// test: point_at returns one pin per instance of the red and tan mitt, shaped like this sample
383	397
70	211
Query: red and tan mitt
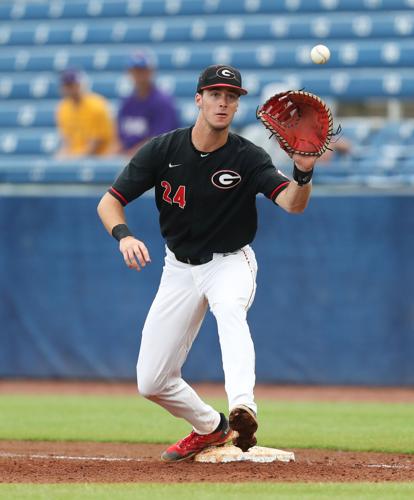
301	122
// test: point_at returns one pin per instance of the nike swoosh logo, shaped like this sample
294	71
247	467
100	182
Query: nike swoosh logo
176	165
203	156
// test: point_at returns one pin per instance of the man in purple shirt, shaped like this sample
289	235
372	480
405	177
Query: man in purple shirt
147	112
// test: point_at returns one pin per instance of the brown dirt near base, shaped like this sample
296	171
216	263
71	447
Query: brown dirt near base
53	462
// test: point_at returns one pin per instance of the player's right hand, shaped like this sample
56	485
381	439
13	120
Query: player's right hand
135	252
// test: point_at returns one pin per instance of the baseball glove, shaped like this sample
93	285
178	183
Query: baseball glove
301	122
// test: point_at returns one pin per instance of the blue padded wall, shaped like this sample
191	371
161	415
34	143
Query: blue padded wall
335	301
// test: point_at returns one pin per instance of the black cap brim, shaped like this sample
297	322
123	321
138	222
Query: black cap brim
239	90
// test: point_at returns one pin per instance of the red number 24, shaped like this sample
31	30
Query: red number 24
179	196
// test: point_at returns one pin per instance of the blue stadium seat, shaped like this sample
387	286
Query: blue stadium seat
346	84
356	133
27	115
406	166
208	29
371	42
383	157
29	169
395	133
286	55
117	8
30	141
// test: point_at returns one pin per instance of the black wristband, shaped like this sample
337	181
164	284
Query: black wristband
121	231
300	176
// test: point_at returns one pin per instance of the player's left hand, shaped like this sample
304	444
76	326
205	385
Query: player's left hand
135	253
304	163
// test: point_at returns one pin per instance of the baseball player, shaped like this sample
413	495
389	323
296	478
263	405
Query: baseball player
206	179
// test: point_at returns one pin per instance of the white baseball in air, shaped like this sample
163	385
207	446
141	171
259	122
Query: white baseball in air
320	54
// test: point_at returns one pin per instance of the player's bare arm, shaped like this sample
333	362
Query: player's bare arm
112	214
294	199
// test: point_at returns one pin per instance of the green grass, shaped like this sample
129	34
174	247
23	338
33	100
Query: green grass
248	491
346	426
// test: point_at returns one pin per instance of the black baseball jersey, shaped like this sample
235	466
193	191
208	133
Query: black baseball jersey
207	201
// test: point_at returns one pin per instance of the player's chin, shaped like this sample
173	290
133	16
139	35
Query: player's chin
221	124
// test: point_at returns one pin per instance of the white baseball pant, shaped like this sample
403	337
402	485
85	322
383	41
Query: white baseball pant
226	284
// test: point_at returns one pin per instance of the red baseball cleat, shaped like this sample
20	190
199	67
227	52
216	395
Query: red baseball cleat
194	443
243	420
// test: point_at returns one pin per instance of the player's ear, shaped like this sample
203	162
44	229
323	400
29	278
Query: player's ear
198	98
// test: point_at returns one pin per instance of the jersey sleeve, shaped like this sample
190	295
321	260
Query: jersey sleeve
269	180
137	177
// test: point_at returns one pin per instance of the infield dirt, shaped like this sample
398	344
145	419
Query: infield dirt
53	462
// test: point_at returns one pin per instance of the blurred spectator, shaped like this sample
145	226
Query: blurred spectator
340	147
148	111
83	118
